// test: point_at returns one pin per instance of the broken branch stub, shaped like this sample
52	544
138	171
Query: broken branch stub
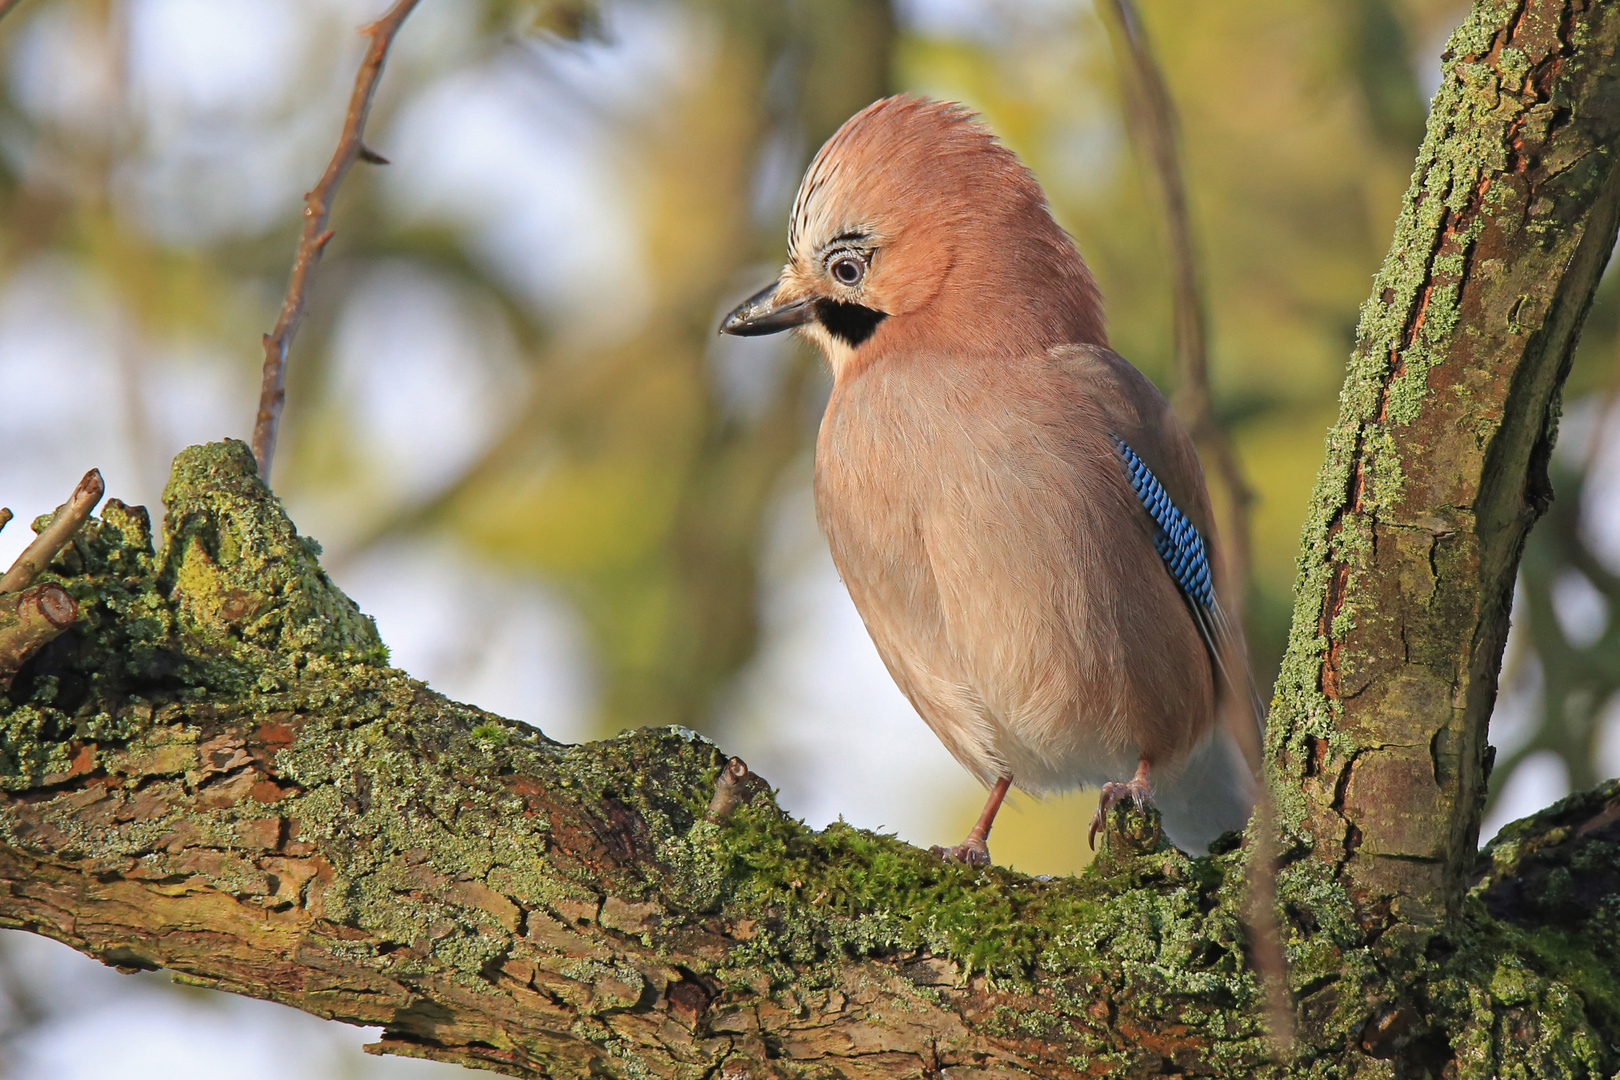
735	785
28	621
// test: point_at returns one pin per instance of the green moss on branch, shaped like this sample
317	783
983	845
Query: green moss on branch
214	772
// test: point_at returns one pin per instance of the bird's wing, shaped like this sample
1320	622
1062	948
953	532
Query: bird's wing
1158	462
1185	555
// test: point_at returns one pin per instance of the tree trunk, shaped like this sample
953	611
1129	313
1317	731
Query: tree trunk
216	772
1438	465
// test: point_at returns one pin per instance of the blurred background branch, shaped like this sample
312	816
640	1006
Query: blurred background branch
1154	128
1557	724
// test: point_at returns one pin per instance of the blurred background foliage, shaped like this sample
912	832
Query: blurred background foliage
513	428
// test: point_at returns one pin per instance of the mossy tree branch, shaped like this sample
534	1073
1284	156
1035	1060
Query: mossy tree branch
215	771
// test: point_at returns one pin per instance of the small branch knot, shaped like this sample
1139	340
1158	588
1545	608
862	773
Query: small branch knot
735	785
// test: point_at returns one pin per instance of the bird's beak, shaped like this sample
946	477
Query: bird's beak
761	314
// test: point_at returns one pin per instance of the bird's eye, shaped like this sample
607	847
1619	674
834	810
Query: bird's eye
848	269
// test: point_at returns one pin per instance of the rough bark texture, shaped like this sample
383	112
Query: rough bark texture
1437	466
215	771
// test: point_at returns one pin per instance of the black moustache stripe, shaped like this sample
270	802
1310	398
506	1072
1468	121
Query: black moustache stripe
849	323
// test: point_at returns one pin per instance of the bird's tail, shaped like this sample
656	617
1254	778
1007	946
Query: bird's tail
1214	794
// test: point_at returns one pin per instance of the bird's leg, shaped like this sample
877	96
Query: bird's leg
975	850
1137	789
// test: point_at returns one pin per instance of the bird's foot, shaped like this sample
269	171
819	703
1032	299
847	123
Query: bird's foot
1137	789
971	852
975	850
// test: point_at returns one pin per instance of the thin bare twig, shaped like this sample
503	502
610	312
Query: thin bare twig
1153	122
25	1010
5	516
69	516
313	240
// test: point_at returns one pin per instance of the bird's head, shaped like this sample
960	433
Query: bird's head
915	230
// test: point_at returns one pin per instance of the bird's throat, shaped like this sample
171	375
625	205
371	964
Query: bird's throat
848	323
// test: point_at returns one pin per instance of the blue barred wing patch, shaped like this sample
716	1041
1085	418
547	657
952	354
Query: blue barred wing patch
1175	538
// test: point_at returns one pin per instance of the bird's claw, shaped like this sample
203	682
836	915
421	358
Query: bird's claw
1137	790
970	852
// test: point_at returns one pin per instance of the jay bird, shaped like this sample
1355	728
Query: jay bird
1019	518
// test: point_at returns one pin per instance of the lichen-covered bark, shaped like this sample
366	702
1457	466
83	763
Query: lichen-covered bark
216	773
1436	468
